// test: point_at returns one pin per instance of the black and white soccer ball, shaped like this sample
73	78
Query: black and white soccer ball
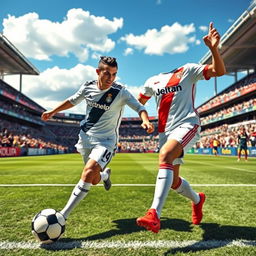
48	226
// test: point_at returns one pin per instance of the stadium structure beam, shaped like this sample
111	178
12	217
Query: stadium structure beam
238	44
20	82
215	85
13	62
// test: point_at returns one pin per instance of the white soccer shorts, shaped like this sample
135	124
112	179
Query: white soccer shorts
187	135
98	149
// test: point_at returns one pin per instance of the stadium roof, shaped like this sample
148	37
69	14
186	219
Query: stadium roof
238	44
12	61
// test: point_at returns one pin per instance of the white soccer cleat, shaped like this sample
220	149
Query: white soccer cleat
107	183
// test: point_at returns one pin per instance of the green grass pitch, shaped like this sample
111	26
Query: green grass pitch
104	222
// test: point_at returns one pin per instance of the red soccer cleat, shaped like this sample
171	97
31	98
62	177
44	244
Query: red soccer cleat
150	221
197	213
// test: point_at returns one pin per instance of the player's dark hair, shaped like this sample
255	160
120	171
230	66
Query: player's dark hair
107	60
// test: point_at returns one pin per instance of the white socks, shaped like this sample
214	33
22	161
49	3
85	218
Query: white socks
79	192
163	184
186	190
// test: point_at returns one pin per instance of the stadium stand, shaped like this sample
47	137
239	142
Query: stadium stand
224	115
23	133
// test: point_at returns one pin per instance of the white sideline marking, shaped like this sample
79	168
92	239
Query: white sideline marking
125	185
6	245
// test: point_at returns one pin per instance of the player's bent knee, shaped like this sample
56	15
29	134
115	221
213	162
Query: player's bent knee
89	174
166	157
175	183
163	156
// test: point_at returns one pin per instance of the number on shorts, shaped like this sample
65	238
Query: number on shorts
106	156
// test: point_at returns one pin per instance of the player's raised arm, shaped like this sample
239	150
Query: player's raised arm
217	67
50	113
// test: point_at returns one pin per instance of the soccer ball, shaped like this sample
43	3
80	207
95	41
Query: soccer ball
48	225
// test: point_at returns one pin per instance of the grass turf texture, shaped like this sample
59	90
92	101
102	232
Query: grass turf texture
229	212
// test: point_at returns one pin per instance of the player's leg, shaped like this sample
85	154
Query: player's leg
239	154
90	175
215	151
98	156
245	154
104	175
101	152
182	187
170	150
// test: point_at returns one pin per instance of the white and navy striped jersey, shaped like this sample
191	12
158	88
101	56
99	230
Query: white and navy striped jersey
104	108
175	94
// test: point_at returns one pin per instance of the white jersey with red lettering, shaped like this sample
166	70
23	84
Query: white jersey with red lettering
175	93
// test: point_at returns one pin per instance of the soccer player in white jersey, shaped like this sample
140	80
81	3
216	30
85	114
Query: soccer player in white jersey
179	127
105	100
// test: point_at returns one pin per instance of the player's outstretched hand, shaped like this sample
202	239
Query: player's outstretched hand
213	38
148	127
47	115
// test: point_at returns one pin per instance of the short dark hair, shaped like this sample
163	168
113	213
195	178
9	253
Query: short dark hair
107	60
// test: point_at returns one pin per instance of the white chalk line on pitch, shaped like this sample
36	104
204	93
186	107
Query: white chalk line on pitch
191	244
227	167
125	185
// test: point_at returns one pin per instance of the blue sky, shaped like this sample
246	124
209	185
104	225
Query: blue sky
63	40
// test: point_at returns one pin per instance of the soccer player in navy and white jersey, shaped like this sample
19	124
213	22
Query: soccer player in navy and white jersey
242	140
179	127
105	100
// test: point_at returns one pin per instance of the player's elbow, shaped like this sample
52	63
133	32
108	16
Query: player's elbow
221	73
218	73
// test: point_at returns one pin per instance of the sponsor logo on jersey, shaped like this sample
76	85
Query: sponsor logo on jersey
97	105
168	90
109	98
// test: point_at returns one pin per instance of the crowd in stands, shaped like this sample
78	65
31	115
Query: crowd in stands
15	135
235	109
134	131
227	135
63	135
242	87
139	143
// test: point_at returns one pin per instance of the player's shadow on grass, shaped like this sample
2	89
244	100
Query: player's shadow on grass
128	226
122	227
216	236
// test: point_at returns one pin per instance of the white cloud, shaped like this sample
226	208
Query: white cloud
231	20
78	33
128	51
170	39
55	85
203	28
